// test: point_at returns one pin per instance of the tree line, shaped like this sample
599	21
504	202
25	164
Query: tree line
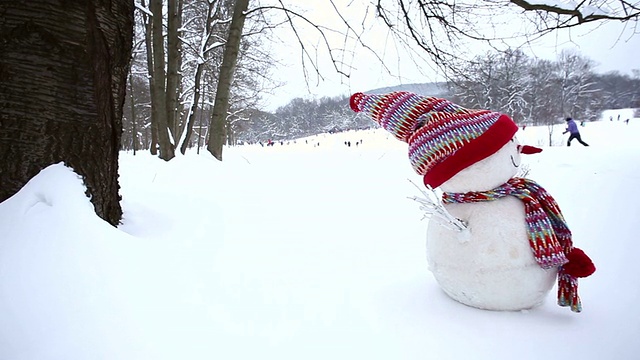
540	92
532	91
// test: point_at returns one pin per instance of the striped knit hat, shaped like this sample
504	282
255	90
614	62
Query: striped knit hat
444	138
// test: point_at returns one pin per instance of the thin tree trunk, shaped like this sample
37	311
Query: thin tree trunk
134	130
192	112
200	116
153	148
159	98
65	103
211	11
217	133
174	61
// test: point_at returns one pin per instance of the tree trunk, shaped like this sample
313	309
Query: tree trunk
134	130
174	60
217	134
200	116
63	72
159	98
153	148
194	107
196	82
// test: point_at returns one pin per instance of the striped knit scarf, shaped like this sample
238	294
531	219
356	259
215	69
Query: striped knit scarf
549	236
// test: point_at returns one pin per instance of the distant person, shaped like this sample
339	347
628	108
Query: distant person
572	129
626	121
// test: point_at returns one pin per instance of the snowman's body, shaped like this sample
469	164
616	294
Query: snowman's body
489	265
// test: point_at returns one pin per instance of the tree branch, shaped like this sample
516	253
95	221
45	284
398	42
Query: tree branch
582	14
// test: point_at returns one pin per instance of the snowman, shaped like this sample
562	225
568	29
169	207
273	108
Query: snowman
495	241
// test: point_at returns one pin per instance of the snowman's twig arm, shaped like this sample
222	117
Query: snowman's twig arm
433	208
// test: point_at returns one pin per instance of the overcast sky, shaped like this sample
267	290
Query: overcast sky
610	45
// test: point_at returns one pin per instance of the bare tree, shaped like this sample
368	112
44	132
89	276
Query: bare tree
134	128
174	62
574	74
136	120
63	71
529	90
496	81
217	136
618	90
146	19
158	80
208	42
541	105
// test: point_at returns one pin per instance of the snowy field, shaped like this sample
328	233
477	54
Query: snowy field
310	250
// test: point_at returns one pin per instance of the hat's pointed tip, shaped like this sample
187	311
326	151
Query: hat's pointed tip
354	101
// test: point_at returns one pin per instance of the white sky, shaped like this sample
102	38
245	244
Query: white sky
302	252
610	45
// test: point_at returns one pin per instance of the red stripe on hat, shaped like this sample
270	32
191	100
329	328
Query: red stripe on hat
477	149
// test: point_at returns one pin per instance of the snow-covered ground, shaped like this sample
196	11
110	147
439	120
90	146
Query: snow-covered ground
310	250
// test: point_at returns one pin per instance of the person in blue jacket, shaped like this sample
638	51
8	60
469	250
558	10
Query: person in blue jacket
572	129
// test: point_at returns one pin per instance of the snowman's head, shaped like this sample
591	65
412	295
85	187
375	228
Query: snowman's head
491	171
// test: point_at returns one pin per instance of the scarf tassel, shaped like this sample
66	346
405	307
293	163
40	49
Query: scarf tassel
579	266
568	291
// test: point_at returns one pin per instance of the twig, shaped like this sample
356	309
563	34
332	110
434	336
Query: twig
433	208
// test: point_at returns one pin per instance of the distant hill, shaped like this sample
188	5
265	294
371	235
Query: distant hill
437	89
